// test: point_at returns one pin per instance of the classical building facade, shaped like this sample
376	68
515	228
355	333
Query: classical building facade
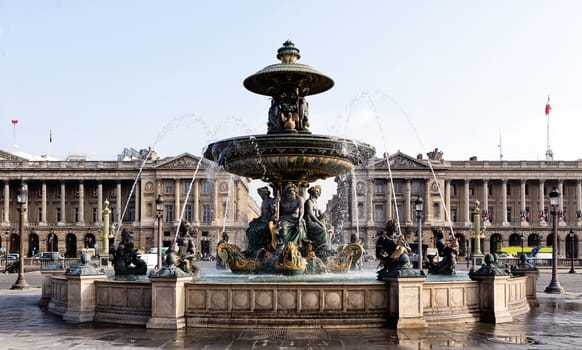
513	200
66	202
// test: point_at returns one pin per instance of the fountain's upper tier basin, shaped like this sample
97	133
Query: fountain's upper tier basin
288	157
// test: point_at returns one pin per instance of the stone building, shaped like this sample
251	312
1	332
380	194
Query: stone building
513	196
66	201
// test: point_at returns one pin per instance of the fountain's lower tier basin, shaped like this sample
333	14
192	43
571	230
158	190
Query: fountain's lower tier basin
174	303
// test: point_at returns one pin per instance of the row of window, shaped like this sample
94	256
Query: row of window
418	187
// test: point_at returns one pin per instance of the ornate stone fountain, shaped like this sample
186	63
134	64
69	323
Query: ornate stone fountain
288	157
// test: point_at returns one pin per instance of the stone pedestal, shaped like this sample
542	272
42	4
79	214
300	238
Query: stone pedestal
406	302
494	298
530	284
47	285
81	297
168	302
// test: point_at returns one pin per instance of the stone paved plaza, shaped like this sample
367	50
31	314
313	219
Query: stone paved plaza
555	324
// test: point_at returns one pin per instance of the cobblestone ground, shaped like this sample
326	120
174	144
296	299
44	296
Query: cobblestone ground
555	324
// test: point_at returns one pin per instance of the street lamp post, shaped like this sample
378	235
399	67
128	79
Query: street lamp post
418	206
22	200
554	287
159	216
572	237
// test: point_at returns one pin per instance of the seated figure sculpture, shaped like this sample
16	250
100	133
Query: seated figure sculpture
291	226
392	250
447	252
125	259
316	231
258	232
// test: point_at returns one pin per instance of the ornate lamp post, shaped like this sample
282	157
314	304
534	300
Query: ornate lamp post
159	216
418	207
572	237
554	287
22	200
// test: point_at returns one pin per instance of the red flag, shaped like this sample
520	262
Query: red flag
548	107
14	121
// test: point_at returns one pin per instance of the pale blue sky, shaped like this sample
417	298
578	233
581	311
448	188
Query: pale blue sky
410	75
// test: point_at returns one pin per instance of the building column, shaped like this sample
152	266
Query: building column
561	205
428	209
216	203
137	203
578	202
485	201
522	208
25	218
118	207
370	204
177	211
466	204
541	200
448	200
81	203
388	201
6	218
99	202
504	221
407	198
43	204
195	197
63	202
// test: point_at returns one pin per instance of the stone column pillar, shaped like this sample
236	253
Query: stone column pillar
195	198
63	203
99	202
168	303
6	218
407	199
485	202
428	209
137	202
118	205
523	214
579	203
504	221
370	204
541	200
466	203
43	220
448	200
388	201
177	211
81	203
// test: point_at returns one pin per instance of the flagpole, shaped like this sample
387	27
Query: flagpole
549	153
50	144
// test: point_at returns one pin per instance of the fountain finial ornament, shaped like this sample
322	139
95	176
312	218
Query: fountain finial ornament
288	53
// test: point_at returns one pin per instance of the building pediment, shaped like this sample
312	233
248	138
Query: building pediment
182	161
401	160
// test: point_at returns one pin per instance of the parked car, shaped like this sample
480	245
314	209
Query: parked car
504	256
11	256
45	256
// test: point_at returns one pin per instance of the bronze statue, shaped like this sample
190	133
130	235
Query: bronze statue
447	253
291	226
392	250
125	259
316	231
258	232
